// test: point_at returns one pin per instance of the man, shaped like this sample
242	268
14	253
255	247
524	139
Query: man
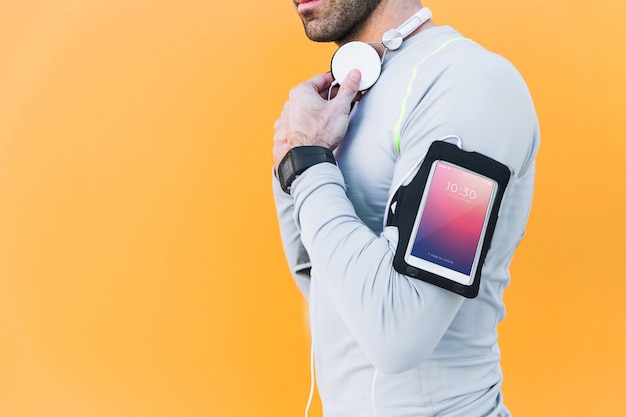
387	344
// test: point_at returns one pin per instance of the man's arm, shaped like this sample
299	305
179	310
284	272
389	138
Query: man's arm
397	320
308	118
349	260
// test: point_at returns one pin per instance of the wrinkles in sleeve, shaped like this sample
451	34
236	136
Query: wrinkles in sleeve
397	320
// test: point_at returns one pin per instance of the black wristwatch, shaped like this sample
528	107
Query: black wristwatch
298	160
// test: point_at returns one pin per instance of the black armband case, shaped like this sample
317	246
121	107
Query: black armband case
431	248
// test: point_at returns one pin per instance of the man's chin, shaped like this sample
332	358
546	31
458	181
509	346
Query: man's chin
318	34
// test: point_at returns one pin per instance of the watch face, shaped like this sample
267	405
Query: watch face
286	172
287	167
298	160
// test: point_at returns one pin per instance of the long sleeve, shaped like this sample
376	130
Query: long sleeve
397	320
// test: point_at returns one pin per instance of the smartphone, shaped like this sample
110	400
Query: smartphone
451	222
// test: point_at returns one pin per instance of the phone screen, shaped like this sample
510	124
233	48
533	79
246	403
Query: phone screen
451	222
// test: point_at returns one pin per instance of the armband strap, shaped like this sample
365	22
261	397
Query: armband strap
298	160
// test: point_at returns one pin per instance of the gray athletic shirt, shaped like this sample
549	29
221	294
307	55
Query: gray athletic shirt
383	340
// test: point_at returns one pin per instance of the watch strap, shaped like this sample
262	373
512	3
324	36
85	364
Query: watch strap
298	160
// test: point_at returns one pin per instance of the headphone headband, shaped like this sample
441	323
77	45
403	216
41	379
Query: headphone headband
415	21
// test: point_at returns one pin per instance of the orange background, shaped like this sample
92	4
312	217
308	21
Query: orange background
141	272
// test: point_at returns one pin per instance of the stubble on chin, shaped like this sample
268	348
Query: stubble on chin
337	21
321	30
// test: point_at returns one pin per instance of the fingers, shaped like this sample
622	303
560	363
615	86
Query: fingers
348	90
321	82
307	119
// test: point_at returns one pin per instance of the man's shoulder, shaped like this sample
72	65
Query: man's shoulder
446	46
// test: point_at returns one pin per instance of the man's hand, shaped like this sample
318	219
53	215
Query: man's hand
309	118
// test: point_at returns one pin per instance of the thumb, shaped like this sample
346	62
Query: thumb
348	89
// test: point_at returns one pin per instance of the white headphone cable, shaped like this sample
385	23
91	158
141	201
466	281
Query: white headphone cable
373	391
312	389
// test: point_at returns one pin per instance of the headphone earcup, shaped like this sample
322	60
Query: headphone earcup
356	55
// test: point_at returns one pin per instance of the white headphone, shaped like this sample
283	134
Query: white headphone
363	56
